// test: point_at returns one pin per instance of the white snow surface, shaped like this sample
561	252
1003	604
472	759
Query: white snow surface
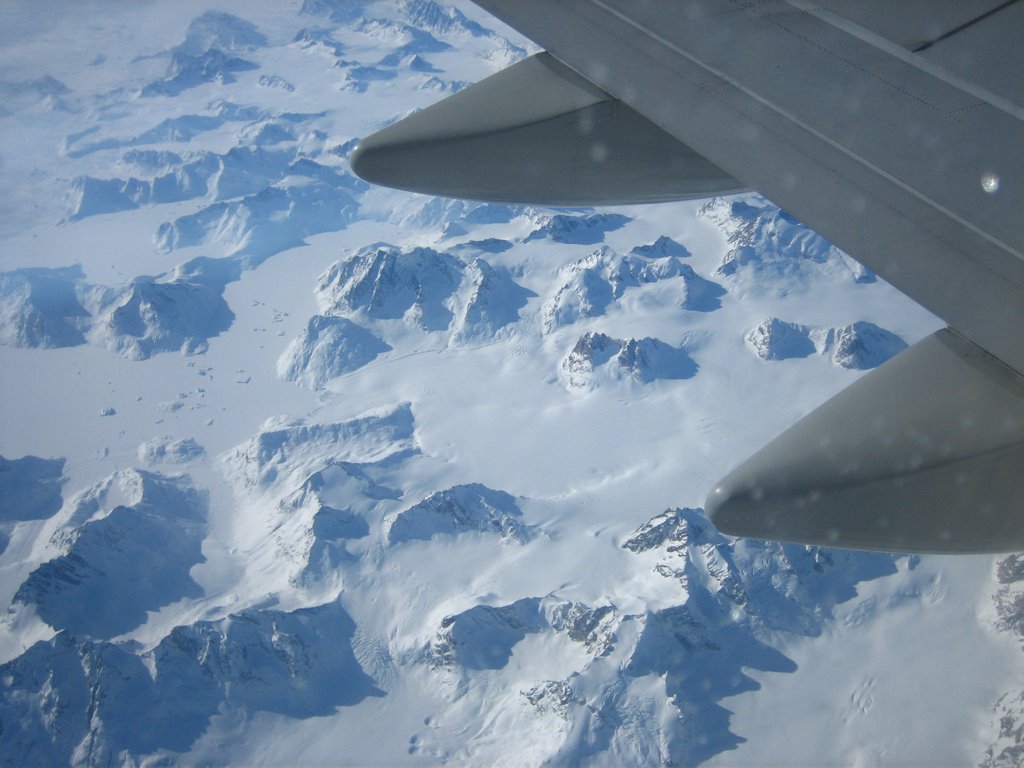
296	471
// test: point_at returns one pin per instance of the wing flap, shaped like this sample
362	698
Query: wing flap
922	455
537	133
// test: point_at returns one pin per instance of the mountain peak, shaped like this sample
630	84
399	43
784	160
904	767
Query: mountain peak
860	345
461	509
598	358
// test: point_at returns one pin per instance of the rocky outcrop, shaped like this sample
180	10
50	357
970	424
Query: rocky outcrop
860	345
141	552
589	285
587	229
30	488
328	347
461	509
42	307
770	243
389	283
598	358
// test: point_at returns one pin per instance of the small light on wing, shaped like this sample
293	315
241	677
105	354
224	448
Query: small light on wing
990	183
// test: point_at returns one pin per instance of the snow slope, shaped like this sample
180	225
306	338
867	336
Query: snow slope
295	471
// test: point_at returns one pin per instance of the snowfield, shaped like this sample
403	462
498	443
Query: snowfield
296	471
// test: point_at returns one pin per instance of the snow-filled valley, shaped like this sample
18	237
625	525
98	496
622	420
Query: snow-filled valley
299	471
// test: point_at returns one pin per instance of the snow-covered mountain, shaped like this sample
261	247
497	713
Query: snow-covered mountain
860	345
141	552
328	347
593	282
179	310
296	471
597	357
766	240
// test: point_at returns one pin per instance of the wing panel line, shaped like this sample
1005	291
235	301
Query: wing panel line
813	131
965	25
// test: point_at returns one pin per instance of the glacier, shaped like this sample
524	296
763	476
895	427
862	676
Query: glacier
296	471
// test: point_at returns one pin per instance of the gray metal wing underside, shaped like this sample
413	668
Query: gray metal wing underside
880	154
893	129
538	133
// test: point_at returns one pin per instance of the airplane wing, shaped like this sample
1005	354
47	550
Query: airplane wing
893	129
